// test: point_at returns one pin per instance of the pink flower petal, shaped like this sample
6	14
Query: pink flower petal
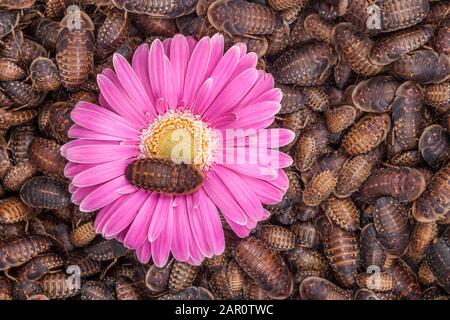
138	232
179	59
134	87
263	138
80	193
162	244
140	67
222	197
103	195
91	153
249	60
266	192
101	173
180	239
125	214
263	84
170	91
240	231
78	132
162	210
196	69
157	69
106	212
217	46
260	171
144	253
72	169
166	45
274	95
256	112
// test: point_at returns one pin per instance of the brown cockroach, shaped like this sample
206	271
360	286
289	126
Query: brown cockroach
354	11
5	162
264	266
25	290
8	21
277	237
306	259
438	96
95	290
438	11
300	119
378	282
46	156
45	192
11	46
340	118
83	234
406	115
16	4
202	7
319	28
315	288
278	40
216	262
295	188
340	248
366	134
293	99
59	285
291	15
422	66
343	212
422	235
105	250
191	293
438	259
407	286
11	70
425	275
16	118
238	17
375	94
392	225
6	289
157	279
82	95
18	251
113	33
317	98
253	291
319	188
306	234
21	137
400	14
127	290
16	176
307	66
9	231
45	31
434	145
342	73
298	32
366	294
75	47
395	45
228	281
182	276
403	183
37	267
355	47
286	4
199	27
88	266
22	94
434	203
44	74
164	176
155	26
58	122
371	252
160	9
411	158
13	210
256	44
30	51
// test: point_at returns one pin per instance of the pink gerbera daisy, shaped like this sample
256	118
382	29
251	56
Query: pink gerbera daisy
194	86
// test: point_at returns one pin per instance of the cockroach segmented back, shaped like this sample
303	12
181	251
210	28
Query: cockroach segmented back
17	4
127	290
306	234
434	203
83	234
10	70
293	99
438	259
343	212
434	145
438	96
366	134
45	31
403	183
58	285
315	288
95	290
45	154
378	282
286	4
37	267
319	28
300	120
264	266
392	226
18	251
6	289
191	293
395	45
88	267
317	98
400	14
238	17
422	235
277	237
182	276
307	66
8	21
106	250
278	40
164	176
407	285
375	94
113	32
75	47
371	252
319	188
422	66
13	210
16	176
21	94
21	138
160	9
44	74
341	249
340	118
45	192
442	37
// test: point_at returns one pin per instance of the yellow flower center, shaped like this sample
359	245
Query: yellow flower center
180	137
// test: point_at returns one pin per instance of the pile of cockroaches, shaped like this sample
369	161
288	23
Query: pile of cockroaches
366	90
